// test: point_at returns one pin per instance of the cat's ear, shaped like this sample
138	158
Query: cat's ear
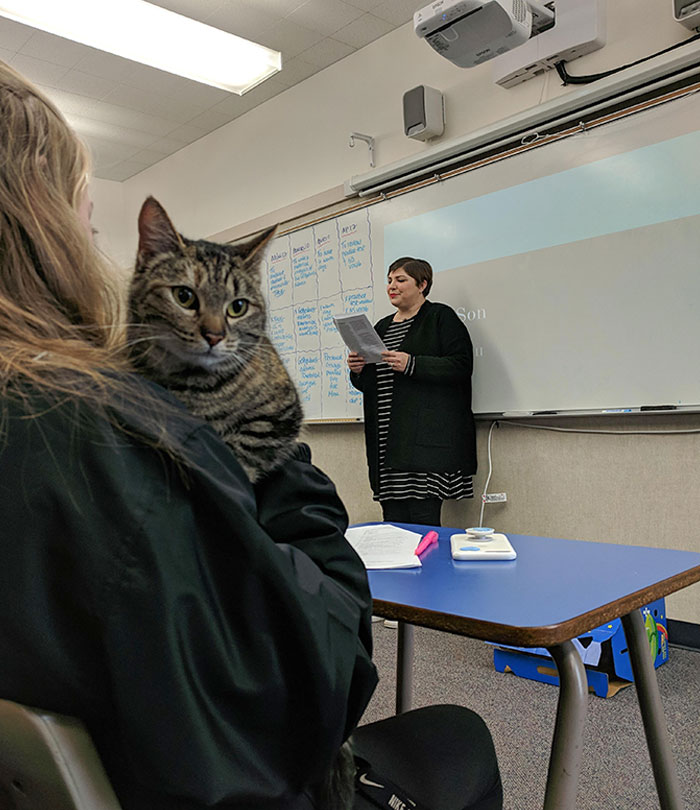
252	248
156	232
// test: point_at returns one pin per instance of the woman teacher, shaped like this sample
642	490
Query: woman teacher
419	426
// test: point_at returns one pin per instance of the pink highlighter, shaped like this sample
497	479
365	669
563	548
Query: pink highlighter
426	541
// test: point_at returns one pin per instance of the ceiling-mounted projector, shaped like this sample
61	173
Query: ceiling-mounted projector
469	32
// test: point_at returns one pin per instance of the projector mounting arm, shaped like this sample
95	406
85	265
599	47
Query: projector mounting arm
368	139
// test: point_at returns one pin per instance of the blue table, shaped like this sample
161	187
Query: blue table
554	591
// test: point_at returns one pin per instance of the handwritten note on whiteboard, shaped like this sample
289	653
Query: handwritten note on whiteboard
312	275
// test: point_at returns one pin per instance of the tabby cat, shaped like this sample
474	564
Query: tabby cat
197	327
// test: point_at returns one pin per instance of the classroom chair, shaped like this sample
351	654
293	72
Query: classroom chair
47	761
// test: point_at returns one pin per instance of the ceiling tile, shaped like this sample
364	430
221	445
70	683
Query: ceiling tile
295	70
289	38
74	81
326	52
111	114
108	173
279	8
37	70
237	105
131	138
326	16
263	92
195	9
232	106
368	5
210	119
153	103
105	151
167	145
119	171
55	49
72	103
147	123
363	31
177	87
396	12
149	156
135	139
129	168
6	55
106	65
244	19
14	35
100	114
134	98
187	133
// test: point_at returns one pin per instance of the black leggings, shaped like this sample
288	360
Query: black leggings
441	756
423	511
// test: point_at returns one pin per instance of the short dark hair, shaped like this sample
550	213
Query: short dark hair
418	269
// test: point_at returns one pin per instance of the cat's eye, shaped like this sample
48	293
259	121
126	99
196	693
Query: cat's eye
185	297
237	307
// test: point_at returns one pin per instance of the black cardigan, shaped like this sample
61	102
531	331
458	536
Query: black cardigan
215	637
432	425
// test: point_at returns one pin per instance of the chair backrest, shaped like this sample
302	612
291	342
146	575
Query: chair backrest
48	762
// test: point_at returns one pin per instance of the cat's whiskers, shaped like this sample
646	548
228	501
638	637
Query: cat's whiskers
239	384
134	341
242	356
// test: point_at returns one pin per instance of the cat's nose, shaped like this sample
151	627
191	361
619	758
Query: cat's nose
212	338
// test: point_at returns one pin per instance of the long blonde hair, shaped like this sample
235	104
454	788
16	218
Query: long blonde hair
59	310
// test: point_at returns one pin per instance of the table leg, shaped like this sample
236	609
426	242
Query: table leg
662	763
404	668
567	744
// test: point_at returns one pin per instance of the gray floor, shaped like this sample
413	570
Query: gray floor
616	774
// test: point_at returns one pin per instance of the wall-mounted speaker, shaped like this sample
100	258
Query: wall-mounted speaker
423	113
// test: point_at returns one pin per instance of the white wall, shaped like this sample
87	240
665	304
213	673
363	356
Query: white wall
635	490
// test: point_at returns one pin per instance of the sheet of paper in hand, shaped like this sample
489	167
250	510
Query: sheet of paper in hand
359	336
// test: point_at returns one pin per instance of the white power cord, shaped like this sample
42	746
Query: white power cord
566	430
488	477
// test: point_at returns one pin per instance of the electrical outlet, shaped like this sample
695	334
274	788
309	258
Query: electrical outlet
494	497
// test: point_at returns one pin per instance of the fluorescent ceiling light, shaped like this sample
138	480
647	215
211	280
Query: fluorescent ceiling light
153	36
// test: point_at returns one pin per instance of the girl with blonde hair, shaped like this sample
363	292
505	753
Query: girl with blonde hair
58	306
141	588
214	636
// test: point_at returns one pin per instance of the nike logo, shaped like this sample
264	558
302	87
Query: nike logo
365	781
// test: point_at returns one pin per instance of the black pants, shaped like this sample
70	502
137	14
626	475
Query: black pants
441	756
424	511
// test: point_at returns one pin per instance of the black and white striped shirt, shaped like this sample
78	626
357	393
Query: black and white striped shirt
400	484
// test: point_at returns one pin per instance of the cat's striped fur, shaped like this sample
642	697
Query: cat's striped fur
197	323
220	363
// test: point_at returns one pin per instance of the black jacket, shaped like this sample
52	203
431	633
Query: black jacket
215	638
432	425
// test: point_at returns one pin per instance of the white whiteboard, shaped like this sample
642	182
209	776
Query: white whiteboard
576	268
